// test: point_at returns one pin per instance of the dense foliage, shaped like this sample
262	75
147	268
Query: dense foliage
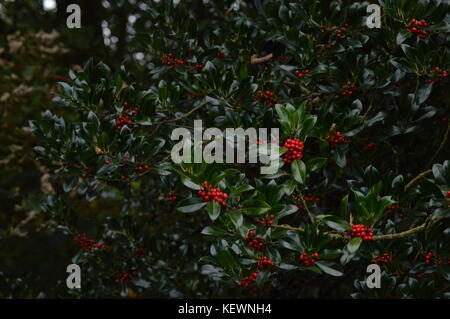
364	173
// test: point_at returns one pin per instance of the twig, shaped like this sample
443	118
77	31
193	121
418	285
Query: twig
441	146
311	217
406	232
256	60
367	111
184	115
402	234
305	90
415	179
379	237
332	234
178	118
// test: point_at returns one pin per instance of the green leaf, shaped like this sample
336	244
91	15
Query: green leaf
285	266
423	93
340	158
226	259
298	170
398	184
243	71
70	183
401	37
288	210
213	209
291	245
214	231
371	175
255	207
343	207
189	183
353	245
316	163
241	189
439	173
236	218
335	222
190	205
40	150
328	270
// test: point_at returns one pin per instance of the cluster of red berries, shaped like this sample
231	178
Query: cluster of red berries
310	198
437	75
323	50
209	193
416	26
385	258
170	60
301	73
295	150
266	263
125	179
171	196
430	257
199	67
142	167
87	243
306	198
88	172
339	32
391	209
247	281
127	116
220	53
253	242
138	166
268	221
348	88
361	231
336	139
308	260
123	276
370	147
267	97
139	251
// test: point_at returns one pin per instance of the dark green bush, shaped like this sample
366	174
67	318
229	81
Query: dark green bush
369	105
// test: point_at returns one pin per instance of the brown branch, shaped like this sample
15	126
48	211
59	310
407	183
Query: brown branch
256	60
288	228
441	146
402	234
305	90
332	234
415	179
310	215
178	118
184	115
379	237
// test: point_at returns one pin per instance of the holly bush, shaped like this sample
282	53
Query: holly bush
364	174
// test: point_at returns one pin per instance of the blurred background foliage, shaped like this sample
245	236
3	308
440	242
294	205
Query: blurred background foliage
36	51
